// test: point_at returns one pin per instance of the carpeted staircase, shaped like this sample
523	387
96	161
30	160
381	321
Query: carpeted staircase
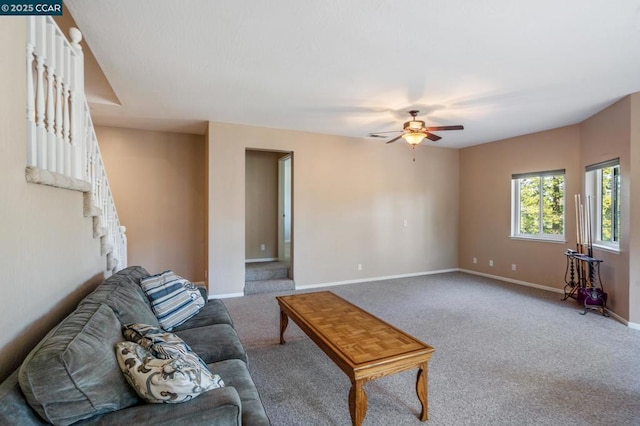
90	209
267	277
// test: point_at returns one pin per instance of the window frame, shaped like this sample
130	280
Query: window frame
593	188
516	207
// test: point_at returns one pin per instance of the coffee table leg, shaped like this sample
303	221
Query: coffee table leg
284	322
357	402
421	390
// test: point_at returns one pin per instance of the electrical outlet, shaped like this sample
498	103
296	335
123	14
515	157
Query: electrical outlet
262	247
475	260
359	266
490	262
513	266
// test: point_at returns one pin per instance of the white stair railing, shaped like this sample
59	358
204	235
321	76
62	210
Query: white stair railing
54	88
101	194
61	139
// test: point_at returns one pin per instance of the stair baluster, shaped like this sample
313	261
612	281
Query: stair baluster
62	147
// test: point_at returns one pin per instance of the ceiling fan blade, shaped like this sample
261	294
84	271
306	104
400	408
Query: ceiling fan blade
376	134
433	137
438	128
394	139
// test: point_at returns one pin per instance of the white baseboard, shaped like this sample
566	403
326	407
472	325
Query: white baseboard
629	324
364	280
225	296
633	325
620	319
615	316
510	280
263	259
552	289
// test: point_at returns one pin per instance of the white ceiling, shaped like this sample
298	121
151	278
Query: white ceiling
501	68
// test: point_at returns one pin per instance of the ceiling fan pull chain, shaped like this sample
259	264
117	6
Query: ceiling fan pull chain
413	148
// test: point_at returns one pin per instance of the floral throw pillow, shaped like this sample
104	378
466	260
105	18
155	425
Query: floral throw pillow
173	299
163	380
160	343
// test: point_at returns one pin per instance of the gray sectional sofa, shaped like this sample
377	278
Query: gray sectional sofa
72	375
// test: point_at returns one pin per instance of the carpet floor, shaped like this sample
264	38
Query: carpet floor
505	355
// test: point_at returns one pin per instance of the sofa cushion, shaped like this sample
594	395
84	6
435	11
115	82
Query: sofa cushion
123	294
219	407
126	304
73	374
213	312
214	342
14	409
156	380
173	299
236	374
131	275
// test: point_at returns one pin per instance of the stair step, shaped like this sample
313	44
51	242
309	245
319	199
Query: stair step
260	271
105	247
268	286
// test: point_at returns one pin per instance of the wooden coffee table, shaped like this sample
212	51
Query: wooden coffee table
362	345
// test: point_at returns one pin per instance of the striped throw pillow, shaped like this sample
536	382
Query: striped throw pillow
173	299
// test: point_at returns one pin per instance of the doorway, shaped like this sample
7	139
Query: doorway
269	228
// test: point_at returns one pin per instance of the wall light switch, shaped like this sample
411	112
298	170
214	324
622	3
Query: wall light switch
405	223
491	263
359	266
475	260
513	266
262	247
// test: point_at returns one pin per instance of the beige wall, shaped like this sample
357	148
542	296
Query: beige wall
606	136
485	172
158	183
261	204
48	256
350	199
485	205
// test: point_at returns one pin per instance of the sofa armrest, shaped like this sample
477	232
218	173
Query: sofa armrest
220	406
14	409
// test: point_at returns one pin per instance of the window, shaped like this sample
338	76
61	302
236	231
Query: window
602	184
537	205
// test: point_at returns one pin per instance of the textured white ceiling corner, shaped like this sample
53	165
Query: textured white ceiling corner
501	68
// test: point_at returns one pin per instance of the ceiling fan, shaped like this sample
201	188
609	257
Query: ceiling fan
414	131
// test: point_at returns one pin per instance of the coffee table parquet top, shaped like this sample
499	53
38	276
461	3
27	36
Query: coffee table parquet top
362	345
360	337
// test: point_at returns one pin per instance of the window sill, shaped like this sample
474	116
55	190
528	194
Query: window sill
608	249
538	239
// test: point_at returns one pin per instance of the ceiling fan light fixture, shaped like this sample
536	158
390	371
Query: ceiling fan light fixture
414	138
414	125
415	131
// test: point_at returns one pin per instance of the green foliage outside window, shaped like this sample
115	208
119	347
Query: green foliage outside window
542	205
610	206
530	205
